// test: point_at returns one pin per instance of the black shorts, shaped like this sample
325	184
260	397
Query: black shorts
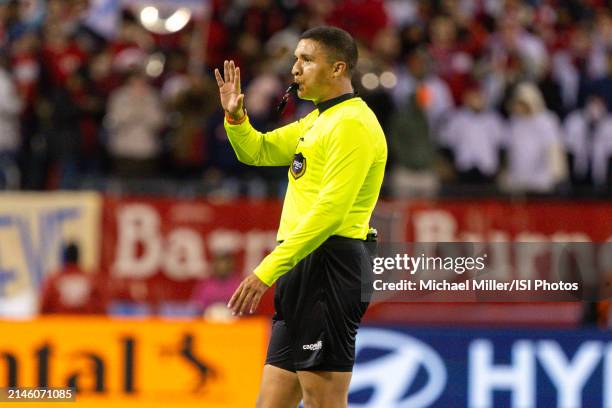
319	308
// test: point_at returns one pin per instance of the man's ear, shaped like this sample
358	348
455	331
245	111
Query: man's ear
339	68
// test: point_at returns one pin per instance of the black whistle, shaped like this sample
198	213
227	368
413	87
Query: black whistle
281	105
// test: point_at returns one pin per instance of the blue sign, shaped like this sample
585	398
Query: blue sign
401	368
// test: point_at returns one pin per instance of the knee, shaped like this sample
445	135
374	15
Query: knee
261	402
324	400
312	400
267	401
318	400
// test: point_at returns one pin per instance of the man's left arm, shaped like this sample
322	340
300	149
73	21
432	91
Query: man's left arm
350	155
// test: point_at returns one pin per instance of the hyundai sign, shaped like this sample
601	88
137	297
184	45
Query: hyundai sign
412	368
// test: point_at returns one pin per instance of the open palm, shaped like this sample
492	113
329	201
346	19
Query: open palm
229	89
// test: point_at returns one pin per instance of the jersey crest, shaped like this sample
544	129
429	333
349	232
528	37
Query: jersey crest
298	166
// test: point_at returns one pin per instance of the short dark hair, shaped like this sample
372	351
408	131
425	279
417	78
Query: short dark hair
340	45
71	254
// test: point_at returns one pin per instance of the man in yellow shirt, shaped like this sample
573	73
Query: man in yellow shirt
336	157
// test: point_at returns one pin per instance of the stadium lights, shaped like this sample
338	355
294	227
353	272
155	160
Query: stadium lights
149	16
388	79
371	81
178	20
154	21
155	65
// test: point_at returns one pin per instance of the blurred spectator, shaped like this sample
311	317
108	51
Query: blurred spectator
10	23
511	38
571	65
536	159
64	132
581	128
551	91
601	44
475	136
387	47
602	85
602	155
451	63
10	108
412	151
566	74
131	39
25	65
73	290
262	18
262	94
411	50
61	55
418	79
134	120
402	12
217	289
363	19
279	49
189	112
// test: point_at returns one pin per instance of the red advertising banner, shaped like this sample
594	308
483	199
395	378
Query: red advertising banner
157	249
545	221
495	220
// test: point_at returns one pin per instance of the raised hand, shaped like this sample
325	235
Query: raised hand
229	90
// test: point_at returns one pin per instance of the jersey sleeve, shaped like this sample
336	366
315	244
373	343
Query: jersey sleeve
348	160
275	148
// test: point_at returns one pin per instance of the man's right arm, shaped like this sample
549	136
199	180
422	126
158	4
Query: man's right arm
275	148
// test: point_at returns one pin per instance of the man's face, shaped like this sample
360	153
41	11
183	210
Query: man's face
474	100
312	71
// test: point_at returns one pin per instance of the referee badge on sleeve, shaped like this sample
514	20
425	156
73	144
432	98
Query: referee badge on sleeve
298	166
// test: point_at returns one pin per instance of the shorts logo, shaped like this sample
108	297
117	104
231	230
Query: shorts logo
298	166
313	347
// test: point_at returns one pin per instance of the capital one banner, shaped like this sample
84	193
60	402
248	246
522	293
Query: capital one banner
418	368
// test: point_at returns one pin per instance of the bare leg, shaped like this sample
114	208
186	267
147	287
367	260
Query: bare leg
325	389
279	388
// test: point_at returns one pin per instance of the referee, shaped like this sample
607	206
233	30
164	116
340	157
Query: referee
336	157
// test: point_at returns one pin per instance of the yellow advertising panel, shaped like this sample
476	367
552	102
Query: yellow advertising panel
148	363
33	229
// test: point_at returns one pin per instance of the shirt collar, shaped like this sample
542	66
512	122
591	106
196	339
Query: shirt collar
323	106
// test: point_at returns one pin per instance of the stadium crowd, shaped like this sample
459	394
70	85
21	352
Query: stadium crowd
475	96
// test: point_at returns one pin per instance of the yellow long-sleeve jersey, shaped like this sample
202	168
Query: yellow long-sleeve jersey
336	161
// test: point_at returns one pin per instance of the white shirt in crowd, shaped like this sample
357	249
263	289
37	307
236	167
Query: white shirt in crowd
135	115
579	140
535	153
602	151
475	139
10	107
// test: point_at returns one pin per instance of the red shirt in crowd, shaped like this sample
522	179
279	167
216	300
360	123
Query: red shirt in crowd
73	291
